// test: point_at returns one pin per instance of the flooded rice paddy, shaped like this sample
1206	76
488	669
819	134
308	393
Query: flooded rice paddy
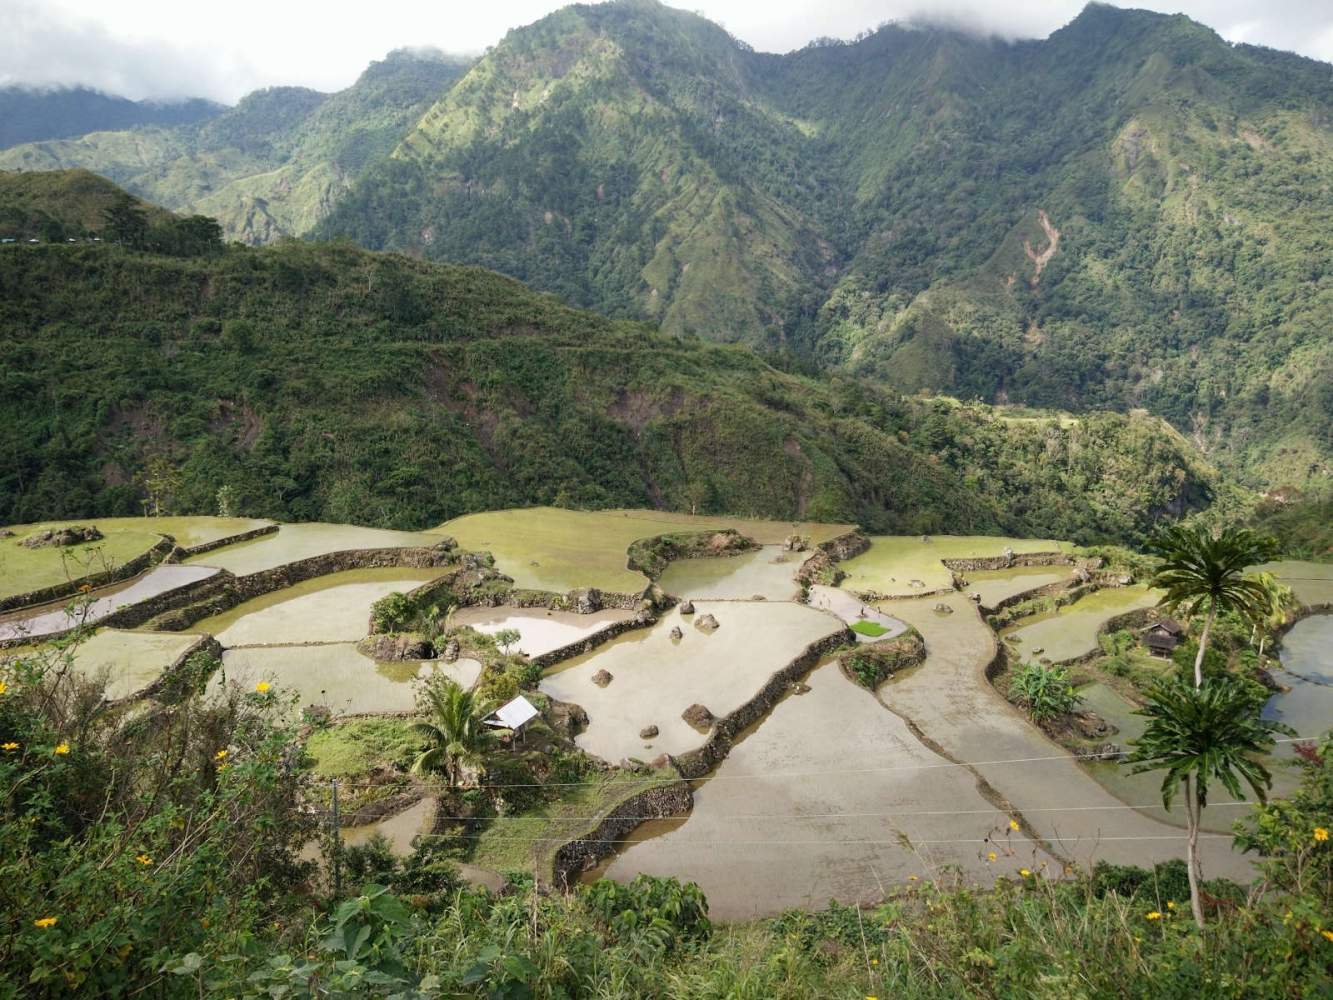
831	797
996	585
301	541
333	608
1310	582
540	631
399	830
129	661
904	565
1307	668
337	676
954	706
655	678
1071	631
546	548
767	572
53	619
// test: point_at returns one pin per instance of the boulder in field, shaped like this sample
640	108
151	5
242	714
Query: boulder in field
602	678
706	622
687	607
699	717
75	534
648	732
676	633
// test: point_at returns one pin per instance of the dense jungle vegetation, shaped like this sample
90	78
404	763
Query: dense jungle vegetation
1130	213
325	382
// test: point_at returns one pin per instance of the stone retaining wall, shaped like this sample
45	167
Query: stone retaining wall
652	555
826	554
580	854
124	571
591	642
697	763
206	644
234	590
1009	562
184	552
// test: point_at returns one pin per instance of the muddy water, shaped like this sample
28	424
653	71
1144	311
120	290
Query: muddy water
831	797
54	618
850	610
1311	582
1307	662
337	676
954	705
129	661
656	677
541	631
766	572
399	829
1071	631
301	541
334	608
996	585
905	565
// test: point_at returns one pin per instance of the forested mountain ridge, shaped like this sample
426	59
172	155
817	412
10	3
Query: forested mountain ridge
1132	213
274	164
33	114
325	382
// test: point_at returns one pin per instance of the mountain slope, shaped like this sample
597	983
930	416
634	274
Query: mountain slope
273	165
56	205
327	382
29	114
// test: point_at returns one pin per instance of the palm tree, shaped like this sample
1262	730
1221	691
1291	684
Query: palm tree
1201	572
454	732
1196	735
1279	599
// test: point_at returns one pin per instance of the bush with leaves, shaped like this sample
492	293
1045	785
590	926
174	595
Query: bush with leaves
1045	691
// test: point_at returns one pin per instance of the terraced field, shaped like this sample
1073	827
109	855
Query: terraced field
833	790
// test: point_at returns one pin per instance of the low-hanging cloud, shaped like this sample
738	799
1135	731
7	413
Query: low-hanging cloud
164	49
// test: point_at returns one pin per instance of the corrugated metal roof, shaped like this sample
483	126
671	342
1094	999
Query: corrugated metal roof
513	714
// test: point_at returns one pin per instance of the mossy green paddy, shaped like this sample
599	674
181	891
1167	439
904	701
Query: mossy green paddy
302	541
910	565
336	676
548	548
1071	631
129	661
996	585
333	608
23	570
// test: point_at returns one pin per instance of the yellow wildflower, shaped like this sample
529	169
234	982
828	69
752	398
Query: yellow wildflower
1025	873
143	859
1153	915
11	745
1013	824
1327	934
1320	834
874	961
1170	904
220	755
45	922
991	856
262	686
3	687
911	878
86	588
62	748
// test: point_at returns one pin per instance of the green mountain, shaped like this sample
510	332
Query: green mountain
322	381
60	205
1131	214
274	164
34	114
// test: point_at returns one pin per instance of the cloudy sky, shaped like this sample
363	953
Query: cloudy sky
171	48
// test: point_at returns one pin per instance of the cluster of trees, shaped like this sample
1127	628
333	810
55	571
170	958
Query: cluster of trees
127	223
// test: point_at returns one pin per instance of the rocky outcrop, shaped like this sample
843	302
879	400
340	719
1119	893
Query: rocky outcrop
706	623
651	556
795	543
676	633
74	534
579	855
602	678
566	718
687	607
397	647
872	664
648	732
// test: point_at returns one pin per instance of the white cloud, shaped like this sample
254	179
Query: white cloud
166	48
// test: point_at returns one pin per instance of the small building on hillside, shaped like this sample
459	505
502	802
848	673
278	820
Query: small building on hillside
1161	638
513	715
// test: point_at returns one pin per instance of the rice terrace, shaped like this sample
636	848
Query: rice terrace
621	506
703	678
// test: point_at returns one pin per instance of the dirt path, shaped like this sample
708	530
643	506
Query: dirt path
949	701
